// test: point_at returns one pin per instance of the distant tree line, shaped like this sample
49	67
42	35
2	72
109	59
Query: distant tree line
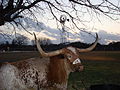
22	43
113	46
48	46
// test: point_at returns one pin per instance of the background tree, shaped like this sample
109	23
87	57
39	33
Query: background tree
42	41
45	41
10	10
20	40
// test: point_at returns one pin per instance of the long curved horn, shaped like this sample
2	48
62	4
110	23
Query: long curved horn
91	47
44	54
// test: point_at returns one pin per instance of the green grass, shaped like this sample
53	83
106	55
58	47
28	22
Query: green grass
100	67
96	72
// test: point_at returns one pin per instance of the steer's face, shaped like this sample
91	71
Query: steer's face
72	56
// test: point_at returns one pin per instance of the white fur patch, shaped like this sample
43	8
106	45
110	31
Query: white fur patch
9	79
72	49
77	61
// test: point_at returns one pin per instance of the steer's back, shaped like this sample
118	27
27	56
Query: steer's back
23	75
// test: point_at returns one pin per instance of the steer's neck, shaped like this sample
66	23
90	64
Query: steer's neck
58	71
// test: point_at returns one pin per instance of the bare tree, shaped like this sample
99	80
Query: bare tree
13	9
20	40
43	41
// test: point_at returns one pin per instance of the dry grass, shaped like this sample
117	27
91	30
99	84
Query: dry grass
101	55
15	56
95	55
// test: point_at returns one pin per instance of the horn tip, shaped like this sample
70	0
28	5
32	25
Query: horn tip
35	36
97	36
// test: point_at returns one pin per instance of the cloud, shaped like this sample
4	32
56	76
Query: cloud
106	37
42	30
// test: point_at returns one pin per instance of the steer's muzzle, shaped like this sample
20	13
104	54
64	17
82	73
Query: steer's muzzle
78	65
80	68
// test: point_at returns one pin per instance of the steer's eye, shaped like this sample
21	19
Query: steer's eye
69	56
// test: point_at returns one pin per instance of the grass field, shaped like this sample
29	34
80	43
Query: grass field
100	67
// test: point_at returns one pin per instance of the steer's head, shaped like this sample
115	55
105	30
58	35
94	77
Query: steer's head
71	54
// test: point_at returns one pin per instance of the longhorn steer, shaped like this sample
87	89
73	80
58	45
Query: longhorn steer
47	73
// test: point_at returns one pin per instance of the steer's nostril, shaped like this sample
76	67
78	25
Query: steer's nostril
81	68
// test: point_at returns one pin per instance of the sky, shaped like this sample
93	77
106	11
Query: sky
96	22
108	25
43	30
107	29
